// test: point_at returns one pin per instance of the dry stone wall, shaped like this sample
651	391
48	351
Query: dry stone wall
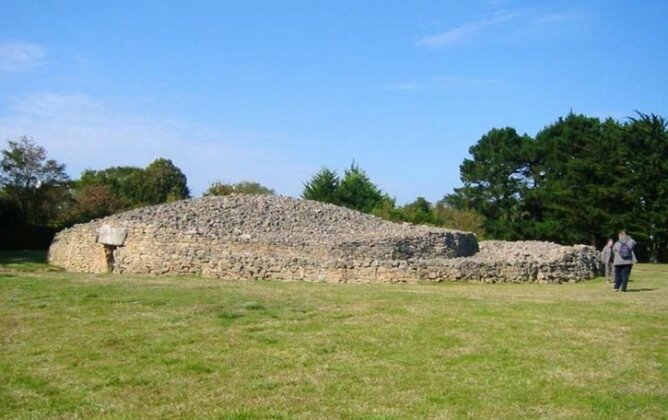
522	261
264	237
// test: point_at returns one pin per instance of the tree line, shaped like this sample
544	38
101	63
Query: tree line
579	180
356	191
37	197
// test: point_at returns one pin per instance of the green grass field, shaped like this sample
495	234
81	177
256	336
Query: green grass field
86	346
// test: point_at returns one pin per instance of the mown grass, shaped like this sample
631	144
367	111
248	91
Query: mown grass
77	345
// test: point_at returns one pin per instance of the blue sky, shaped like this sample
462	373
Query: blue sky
271	91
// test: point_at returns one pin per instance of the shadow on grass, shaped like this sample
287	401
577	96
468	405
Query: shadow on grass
25	261
639	290
22	257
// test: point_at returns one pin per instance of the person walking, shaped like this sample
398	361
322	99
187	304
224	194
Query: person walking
623	260
607	257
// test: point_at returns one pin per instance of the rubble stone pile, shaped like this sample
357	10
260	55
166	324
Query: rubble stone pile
272	237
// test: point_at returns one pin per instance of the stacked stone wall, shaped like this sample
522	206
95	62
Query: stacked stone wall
259	237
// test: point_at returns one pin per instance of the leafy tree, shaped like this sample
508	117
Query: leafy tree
159	182
164	182
219	189
418	212
31	180
124	182
244	187
459	219
495	180
615	185
579	181
10	216
323	186
387	210
568	179
647	171
357	192
92	202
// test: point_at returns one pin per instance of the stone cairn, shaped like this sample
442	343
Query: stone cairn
281	238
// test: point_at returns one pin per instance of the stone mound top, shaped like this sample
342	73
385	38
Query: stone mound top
273	219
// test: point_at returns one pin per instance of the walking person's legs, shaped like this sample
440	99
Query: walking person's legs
618	277
626	272
609	273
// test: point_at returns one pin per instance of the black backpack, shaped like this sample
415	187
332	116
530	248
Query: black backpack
625	251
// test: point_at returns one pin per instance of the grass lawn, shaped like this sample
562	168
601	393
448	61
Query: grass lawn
79	345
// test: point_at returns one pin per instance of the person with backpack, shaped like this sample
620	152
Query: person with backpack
607	257
623	260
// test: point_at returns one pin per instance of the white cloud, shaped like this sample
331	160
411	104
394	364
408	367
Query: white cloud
86	133
525	23
19	56
464	32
